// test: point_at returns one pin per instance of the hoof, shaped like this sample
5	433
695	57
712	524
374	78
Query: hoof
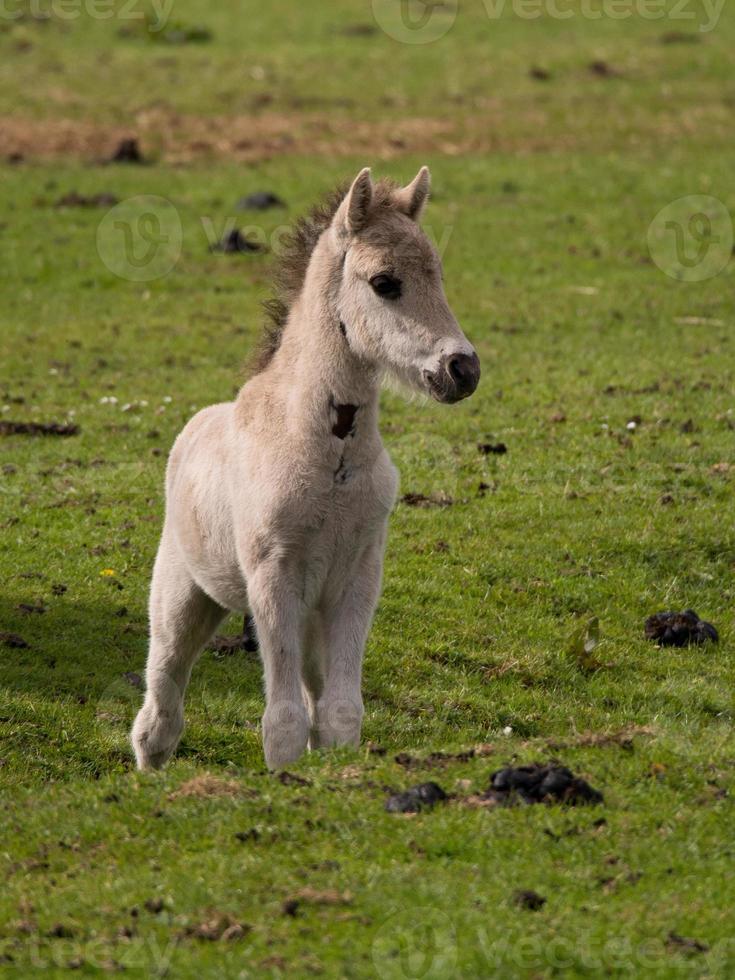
285	735
154	739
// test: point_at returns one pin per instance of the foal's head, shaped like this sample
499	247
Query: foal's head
390	296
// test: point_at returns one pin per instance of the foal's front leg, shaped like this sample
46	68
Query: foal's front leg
347	620
279	618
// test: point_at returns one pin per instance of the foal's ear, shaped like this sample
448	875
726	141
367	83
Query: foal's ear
355	208
411	199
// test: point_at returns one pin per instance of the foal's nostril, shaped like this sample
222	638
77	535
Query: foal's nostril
455	369
464	370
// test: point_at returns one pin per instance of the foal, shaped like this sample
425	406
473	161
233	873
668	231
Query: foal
278	503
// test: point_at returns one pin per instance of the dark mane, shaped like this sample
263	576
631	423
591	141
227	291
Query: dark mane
293	261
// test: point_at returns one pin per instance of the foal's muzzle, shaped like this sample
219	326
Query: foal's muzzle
456	378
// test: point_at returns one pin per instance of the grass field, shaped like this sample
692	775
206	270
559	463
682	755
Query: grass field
545	190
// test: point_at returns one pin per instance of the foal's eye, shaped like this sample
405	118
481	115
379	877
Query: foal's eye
386	286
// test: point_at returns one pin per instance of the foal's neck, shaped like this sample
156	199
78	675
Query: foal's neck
331	389
332	378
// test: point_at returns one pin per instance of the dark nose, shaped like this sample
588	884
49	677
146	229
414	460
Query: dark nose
464	371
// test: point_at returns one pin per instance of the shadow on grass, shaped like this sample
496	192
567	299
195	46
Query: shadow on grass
82	653
69	696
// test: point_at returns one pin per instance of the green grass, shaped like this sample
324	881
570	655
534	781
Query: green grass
547	267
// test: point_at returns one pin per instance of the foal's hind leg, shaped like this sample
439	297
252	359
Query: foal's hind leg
183	618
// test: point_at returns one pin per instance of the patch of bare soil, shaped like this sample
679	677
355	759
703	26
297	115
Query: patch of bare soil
260	201
421	500
127	151
13	641
37	429
180	139
205	787
529	900
76	200
291	779
314	896
224	646
488	125
442	759
217	926
235	242
598	740
29	608
678	943
603	70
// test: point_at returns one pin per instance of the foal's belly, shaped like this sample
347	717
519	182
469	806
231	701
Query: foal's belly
321	565
220	576
207	543
226	586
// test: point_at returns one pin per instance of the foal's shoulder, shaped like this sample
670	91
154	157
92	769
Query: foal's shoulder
210	418
205	435
210	423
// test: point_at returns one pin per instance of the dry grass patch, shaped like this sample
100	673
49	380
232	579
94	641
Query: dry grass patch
598	740
207	786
